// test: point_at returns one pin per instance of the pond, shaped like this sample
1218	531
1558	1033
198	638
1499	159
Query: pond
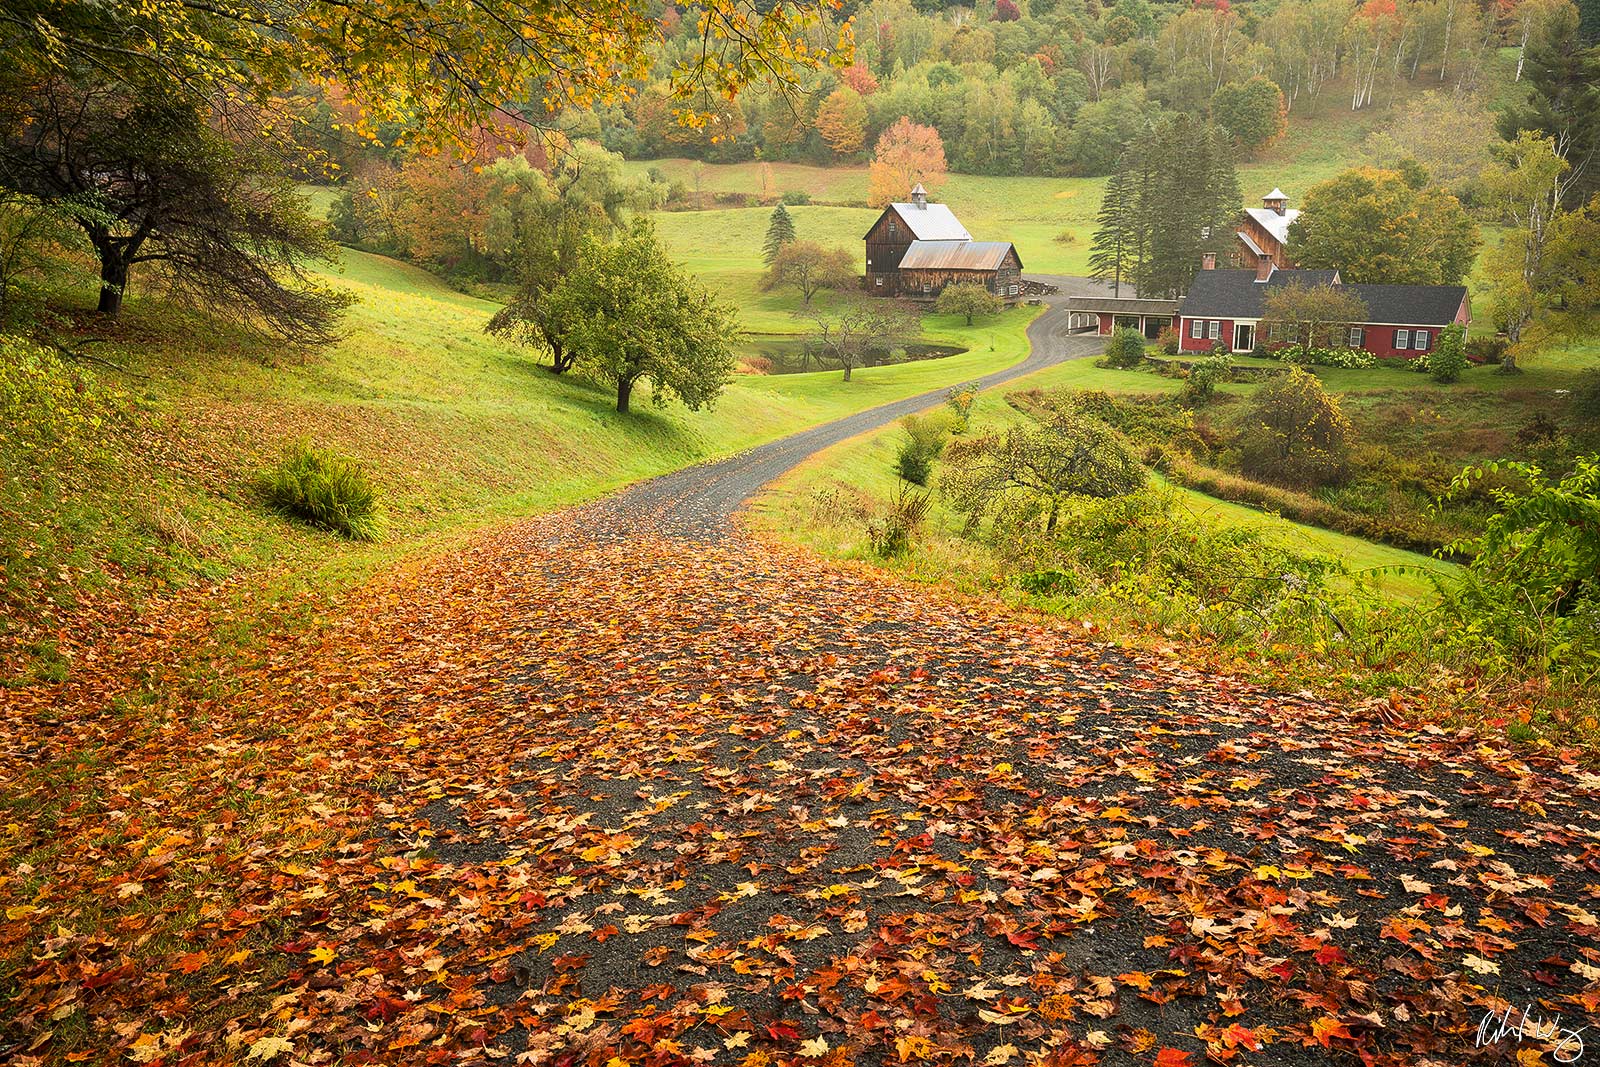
791	355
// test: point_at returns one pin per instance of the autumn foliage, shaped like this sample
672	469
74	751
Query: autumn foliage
907	153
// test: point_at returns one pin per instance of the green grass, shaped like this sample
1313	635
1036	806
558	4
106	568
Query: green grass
865	465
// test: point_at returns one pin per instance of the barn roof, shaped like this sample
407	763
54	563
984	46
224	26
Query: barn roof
1236	294
1274	223
931	222
956	255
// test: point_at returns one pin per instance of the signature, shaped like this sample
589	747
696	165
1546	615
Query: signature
1497	1026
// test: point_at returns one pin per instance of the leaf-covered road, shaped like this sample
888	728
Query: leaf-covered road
623	786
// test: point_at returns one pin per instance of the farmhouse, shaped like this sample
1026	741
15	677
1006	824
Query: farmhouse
1264	235
1227	306
915	249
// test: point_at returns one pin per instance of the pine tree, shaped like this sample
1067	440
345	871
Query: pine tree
1109	255
1183	212
780	231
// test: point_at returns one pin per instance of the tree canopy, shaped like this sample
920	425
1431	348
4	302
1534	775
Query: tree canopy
626	313
1374	226
907	153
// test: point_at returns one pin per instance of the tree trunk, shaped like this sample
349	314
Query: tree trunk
624	391
848	363
113	281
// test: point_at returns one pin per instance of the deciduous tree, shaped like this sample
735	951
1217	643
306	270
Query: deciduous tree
1523	188
842	121
628	314
197	213
1253	111
1311	315
907	153
859	325
1373	226
810	267
1295	433
967	299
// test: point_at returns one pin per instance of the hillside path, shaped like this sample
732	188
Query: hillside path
626	785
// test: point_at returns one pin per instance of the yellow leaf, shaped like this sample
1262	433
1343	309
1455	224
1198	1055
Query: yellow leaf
323	954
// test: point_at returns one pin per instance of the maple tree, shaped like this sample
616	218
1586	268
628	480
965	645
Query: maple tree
842	121
906	153
810	267
446	67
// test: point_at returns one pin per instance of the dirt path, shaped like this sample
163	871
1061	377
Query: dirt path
622	786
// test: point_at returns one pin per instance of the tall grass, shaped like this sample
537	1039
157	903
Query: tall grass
325	489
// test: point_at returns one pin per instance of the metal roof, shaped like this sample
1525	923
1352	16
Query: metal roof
956	255
1276	194
932	222
1250	244
1274	223
1122	305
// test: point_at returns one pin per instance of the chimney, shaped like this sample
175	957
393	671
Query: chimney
1264	268
919	196
1275	202
1208	261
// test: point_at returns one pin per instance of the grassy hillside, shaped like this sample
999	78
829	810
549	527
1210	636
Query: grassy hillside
456	428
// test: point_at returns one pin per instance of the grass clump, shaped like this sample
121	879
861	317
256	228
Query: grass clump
324	489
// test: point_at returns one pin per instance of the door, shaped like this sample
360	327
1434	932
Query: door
1244	337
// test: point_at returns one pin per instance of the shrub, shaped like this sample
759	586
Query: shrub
1201	385
959	400
1346	358
324	489
1491	350
1448	359
1168	341
1126	348
926	436
1066	237
892	533
1295	433
1533	587
796	197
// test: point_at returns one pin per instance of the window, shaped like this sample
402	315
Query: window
869	261
1196	329
926	287
1013	290
1357	335
880	282
1205	233
1402	339
893	229
1419	340
1293	334
1274	333
1215	331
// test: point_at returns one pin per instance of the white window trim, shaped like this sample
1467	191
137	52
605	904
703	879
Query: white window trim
1196	329
1419	340
1214	330
1356	337
1402	340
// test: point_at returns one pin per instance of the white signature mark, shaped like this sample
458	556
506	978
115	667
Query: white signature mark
1497	1026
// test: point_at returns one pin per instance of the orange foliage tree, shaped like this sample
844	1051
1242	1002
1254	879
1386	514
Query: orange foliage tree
842	121
907	153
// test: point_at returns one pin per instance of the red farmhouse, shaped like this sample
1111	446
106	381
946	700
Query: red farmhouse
1403	320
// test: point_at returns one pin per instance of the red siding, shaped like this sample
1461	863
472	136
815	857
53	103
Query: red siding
1203	344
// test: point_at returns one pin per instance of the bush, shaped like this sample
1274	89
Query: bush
1168	341
1491	350
1346	358
1295	433
1126	348
926	436
796	197
324	489
959	400
892	533
1201	385
1066	237
1448	359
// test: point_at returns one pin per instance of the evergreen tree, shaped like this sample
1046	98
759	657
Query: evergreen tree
1184	211
1564	105
780	231
1109	256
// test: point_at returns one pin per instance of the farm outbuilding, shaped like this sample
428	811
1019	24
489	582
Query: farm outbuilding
915	249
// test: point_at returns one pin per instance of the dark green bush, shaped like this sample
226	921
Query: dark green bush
1126	348
926	436
1448	359
1488	349
796	197
324	489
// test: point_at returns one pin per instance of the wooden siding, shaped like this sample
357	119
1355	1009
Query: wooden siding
884	252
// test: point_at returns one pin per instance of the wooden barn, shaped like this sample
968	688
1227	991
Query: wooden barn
915	249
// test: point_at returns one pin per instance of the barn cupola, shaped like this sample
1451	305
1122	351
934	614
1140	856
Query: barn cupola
919	196
1275	202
